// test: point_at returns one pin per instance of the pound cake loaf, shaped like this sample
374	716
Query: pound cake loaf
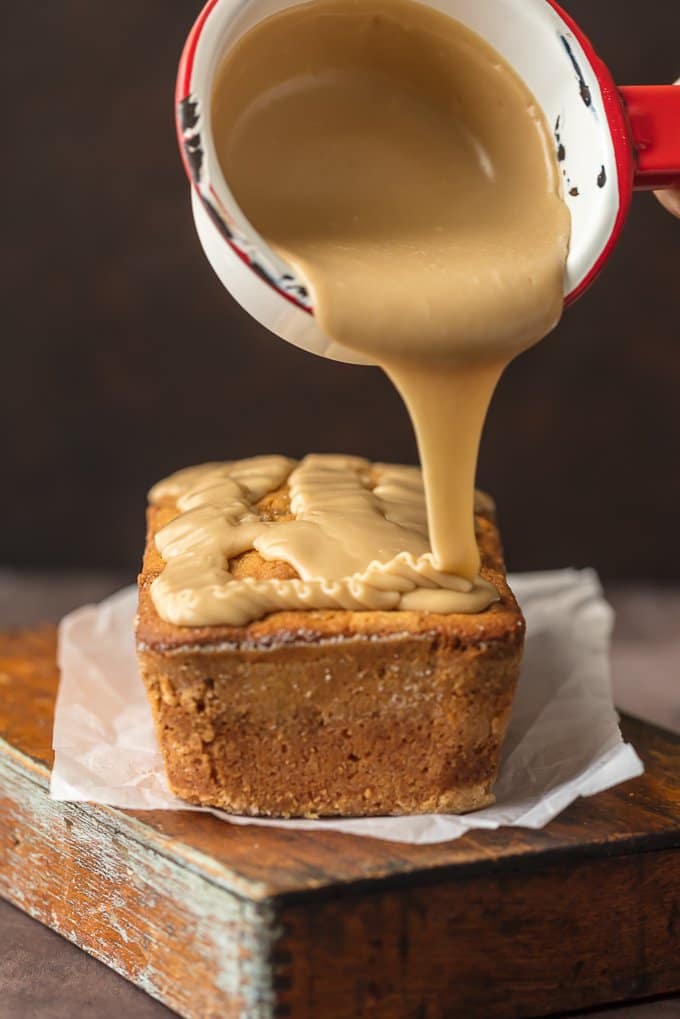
278	694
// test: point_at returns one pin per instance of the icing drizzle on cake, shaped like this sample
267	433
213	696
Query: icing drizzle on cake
356	538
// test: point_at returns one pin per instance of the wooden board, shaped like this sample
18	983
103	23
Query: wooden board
218	920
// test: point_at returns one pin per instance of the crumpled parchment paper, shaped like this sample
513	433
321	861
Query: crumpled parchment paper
563	740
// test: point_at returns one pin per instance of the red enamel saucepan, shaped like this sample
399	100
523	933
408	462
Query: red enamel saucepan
609	141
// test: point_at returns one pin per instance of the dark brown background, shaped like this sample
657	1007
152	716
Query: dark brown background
124	358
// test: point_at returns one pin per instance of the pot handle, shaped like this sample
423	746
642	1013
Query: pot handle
654	114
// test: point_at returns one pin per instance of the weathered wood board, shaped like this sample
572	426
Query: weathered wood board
218	920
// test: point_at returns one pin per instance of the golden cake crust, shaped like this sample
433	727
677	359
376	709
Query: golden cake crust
317	713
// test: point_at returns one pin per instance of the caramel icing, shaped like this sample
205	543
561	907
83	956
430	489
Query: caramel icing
402	167
399	164
357	540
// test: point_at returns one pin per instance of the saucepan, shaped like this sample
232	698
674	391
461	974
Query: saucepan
609	142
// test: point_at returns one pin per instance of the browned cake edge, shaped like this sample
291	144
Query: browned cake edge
320	713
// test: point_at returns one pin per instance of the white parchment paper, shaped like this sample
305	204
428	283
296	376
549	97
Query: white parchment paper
563	741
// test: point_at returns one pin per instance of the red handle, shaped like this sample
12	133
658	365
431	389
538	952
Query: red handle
654	114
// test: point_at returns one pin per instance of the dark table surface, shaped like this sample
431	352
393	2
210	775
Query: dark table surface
42	976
